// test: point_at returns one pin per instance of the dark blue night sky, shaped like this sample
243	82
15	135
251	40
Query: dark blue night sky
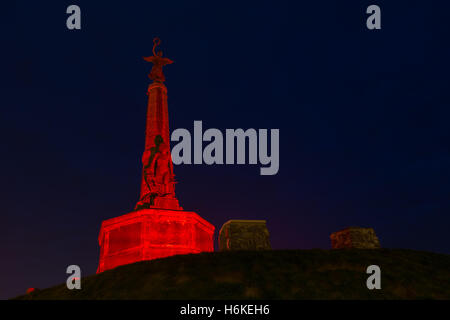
363	118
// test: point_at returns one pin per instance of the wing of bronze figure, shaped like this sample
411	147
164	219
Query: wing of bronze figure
167	61
149	59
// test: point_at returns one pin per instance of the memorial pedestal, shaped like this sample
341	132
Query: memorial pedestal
151	234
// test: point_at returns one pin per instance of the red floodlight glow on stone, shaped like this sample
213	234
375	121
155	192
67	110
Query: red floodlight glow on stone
152	234
158	227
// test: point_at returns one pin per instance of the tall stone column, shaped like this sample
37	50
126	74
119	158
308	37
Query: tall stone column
158	179
157	115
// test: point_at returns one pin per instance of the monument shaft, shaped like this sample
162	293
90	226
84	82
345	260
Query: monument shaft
157	115
158	179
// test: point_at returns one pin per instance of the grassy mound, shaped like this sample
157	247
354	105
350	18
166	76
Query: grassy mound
283	274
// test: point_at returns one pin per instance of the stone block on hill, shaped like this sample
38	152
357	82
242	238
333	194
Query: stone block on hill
354	237
244	235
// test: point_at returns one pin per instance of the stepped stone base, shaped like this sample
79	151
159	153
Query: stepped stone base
151	234
244	235
354	237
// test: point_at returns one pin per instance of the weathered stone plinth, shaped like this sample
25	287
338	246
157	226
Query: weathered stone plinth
244	235
354	237
151	234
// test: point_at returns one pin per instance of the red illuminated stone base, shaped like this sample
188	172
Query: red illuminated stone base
150	234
